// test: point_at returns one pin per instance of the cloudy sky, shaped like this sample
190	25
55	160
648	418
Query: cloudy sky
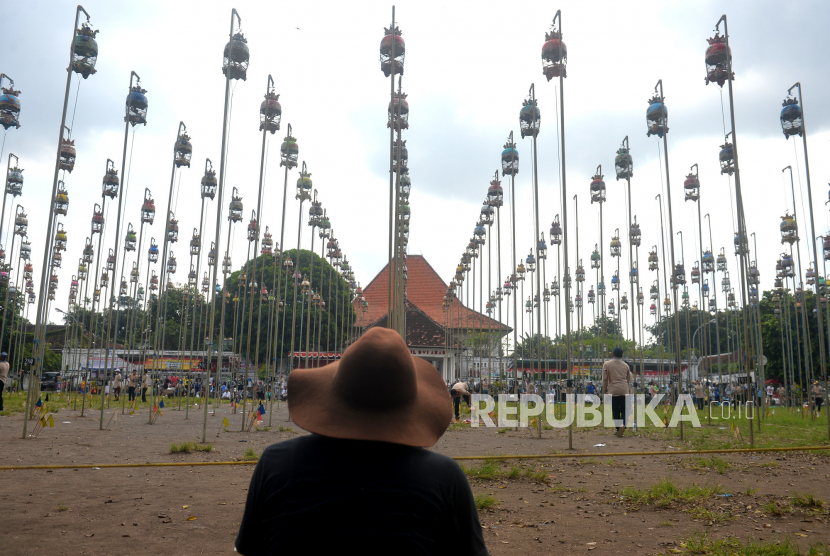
468	67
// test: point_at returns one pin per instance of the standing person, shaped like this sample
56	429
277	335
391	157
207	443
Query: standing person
145	384
699	395
782	396
817	395
616	377
366	452
116	385
4	375
132	381
770	391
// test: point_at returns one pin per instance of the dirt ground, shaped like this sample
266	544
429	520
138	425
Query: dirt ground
572	506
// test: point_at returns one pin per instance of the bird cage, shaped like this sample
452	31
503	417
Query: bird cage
14	181
580	272
85	51
633	275
398	112
21	222
616	244
253	228
289	151
105	279
305	285
727	158
236	57
171	264
57	259
82	271
624	302
789	229
270	113
528	305
25	250
685	298
487	214
89	251
718	60
153	251
601	289
653	261
695	274
721	261
692	187
530	118
110	181
591	295
154	281
212	254
28	269
192	277
667	304
634	233
597	189
579	301
67	158
704	289
653	309
754	274
792	122
611	309
741	243
509	159
726	283
615	281
708	263
554	55
392	52
657	117
51	295
263	294
595	257
530	262
315	212
624	164
405	186
555	231
148	208
195	243
134	274
110	261
495	193
32	298
97	219
679	275
324	227
640	298
235	208
205	282
303	185
542	248
400	161
9	107
182	151
520	272
136	106
652	292
479	236
130	239
226	264
122	290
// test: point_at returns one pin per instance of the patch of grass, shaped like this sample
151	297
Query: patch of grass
484	501
699	543
514	472
189	447
699	512
287	429
537	475
493	470
768	464
665	493
772	508
806	501
487	471
718	464
458	426
750	491
62	508
502	431
263	429
250	455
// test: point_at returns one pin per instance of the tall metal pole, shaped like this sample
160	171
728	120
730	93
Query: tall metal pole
392	71
815	248
222	158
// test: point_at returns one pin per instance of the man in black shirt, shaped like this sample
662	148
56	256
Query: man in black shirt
363	481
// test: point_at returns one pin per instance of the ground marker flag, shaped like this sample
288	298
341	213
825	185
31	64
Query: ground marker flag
161	404
225	422
39	403
51	421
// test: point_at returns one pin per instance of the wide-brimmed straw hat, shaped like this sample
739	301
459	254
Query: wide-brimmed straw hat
376	391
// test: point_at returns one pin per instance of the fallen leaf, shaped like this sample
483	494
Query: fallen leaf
185	507
93	534
675	550
191	518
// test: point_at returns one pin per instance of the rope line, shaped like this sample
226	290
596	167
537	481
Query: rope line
457	458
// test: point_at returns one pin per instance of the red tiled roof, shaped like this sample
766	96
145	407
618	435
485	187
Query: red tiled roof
425	290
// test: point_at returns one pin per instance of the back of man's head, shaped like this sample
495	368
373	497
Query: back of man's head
618	352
